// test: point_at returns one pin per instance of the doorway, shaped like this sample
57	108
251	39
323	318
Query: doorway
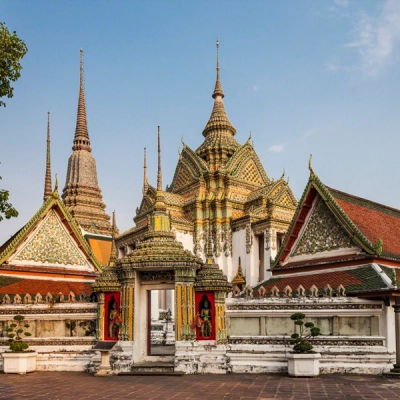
160	322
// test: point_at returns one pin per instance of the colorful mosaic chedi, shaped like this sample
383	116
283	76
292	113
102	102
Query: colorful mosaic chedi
51	243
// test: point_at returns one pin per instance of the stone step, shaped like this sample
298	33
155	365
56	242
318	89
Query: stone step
153	368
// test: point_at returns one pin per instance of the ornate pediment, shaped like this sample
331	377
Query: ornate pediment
145	205
246	166
286	198
323	232
189	169
50	243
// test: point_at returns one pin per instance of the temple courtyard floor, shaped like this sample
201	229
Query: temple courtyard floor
77	385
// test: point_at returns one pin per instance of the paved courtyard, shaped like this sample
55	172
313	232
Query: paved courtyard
77	385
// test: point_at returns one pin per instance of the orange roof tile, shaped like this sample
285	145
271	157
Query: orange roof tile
101	249
374	220
34	286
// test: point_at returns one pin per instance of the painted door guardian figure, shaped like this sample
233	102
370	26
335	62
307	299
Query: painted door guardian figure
114	320
204	317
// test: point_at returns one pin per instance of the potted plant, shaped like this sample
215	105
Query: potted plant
303	361
18	360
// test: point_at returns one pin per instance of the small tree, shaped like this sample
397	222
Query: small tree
6	208
12	49
301	340
15	332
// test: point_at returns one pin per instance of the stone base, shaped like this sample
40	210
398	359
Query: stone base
201	357
19	363
303	364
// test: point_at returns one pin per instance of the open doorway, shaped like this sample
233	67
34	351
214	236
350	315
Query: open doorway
161	322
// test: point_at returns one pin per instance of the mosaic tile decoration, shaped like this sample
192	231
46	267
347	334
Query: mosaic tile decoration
51	243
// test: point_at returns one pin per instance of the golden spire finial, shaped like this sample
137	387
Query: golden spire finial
217	44
47	180
145	181
218	88
159	174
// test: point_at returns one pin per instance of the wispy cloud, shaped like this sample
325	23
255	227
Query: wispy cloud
277	148
377	38
341	3
255	88
307	133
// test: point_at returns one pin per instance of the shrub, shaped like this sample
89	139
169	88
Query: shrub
300	340
15	333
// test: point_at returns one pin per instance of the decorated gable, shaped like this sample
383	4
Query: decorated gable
322	232
50	243
246	166
190	167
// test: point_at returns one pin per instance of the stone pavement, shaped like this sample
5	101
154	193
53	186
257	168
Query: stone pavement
79	385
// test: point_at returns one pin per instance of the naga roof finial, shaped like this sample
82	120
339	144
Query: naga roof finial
55	191
145	181
159	174
47	179
310	164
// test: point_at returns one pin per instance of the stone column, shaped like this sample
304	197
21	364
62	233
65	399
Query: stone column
100	317
184	303
396	307
127	305
220	321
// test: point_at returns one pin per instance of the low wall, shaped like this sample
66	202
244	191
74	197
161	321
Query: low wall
62	334
356	334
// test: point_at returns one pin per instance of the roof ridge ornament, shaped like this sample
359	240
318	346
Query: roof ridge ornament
310	165
55	191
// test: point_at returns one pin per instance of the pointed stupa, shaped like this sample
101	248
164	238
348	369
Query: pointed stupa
47	180
239	279
82	194
219	143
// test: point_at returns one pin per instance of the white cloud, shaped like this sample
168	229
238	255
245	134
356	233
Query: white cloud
307	133
277	148
376	38
255	88
341	3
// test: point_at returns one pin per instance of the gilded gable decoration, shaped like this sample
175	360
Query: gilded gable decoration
52	244
322	233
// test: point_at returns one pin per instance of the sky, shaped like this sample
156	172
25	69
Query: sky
309	76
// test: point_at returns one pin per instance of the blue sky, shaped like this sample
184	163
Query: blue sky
318	77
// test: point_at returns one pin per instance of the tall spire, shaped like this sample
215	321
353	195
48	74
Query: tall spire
81	140
113	254
145	181
82	194
47	181
219	143
159	174
218	87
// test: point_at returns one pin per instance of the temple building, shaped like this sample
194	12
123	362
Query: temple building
221	192
208	278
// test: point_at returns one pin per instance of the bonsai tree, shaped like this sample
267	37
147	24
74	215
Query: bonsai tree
307	330
15	333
